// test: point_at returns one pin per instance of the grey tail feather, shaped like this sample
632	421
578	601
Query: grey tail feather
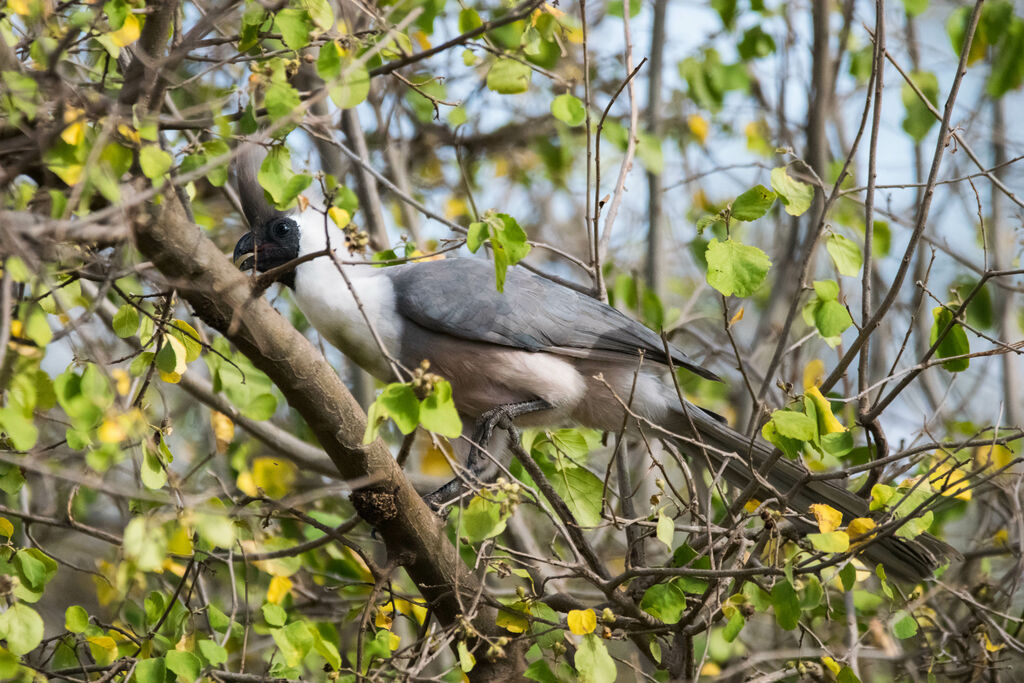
910	560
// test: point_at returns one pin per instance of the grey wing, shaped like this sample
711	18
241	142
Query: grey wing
458	297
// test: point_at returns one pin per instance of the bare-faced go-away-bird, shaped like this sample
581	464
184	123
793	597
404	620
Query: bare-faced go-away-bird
538	354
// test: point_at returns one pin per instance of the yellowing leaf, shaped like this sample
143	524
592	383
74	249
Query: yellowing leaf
340	216
710	670
828	517
857	528
275	477
111	431
513	618
223	430
698	125
129	133
74	133
990	646
383	618
831	664
582	621
948	478
814	373
455	207
128	33
827	422
830	542
434	463
421	39
180	358
752	505
20	7
122	381
737	317
280	586
995	456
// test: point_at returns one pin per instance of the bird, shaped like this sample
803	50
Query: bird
538	353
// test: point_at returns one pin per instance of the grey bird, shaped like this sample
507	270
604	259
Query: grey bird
540	353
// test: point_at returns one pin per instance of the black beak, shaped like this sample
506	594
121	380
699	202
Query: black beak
245	252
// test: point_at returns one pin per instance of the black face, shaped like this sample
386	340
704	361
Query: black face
269	245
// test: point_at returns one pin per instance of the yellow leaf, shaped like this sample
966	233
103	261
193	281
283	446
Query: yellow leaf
992	647
422	40
6	528
70	173
553	11
455	207
129	133
828	517
827	422
513	619
737	317
858	527
814	373
74	134
411	609
103	649
1001	537
111	431
383	618
948	478
180	358
710	670
395	641
20	7
341	217
698	125
180	542
122	381
280	586
831	664
223	430
752	505
128	33
274	476
582	621
994	456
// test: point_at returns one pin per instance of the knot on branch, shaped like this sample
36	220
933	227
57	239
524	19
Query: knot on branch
375	505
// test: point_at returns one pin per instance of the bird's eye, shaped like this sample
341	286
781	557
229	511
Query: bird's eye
281	229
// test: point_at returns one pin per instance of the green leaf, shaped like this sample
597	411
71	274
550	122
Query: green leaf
328	62
354	85
34	567
753	203
155	162
904	626
845	254
795	425
438	413
831	318
281	100
736	269
953	344
20	429
734	626
648	151
666	529
509	77
260	407
469	20
294	641
568	109
580	488
184	664
401	405
277	178
145	543
796	197
22	627
755	44
126	321
214	653
217	530
666	601
76	619
483	519
1008	63
295	26
593	662
466	659
918	119
848	576
786	605
832	542
914	7
151	670
274	615
827	290
476	235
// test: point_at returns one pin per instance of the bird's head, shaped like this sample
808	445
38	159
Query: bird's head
273	237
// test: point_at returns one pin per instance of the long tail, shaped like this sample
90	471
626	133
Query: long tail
911	560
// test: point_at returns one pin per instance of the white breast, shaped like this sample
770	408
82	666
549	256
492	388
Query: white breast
333	308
